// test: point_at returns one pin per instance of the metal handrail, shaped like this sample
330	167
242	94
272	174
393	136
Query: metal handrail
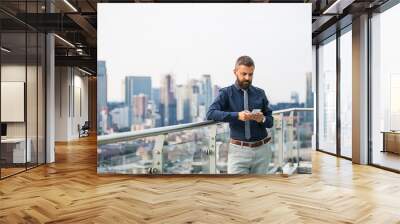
292	109
132	135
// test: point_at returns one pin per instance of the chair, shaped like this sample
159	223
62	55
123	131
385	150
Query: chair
84	130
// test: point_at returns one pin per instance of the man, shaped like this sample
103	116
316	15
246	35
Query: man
248	152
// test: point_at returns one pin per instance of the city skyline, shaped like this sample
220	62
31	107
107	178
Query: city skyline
148	107
157	87
210	45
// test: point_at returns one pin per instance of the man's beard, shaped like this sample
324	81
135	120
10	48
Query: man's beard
244	84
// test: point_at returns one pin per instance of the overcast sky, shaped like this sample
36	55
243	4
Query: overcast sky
189	40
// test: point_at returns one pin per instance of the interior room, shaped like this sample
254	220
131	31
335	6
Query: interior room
68	156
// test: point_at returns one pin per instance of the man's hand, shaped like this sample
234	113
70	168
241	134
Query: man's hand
259	117
245	115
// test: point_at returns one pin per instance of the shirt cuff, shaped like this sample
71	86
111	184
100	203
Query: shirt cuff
235	115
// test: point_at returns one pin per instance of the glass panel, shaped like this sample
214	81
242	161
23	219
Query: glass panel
186	152
21	47
327	96
346	94
291	142
386	89
304	125
41	98
132	157
31	97
288	147
276	144
222	148
14	153
32	83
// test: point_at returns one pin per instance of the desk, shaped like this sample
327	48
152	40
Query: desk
391	141
13	150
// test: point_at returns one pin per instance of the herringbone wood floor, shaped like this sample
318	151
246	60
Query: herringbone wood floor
70	191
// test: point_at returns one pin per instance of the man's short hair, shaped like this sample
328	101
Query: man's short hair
244	60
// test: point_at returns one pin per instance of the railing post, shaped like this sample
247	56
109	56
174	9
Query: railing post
279	143
298	137
289	125
158	160
212	158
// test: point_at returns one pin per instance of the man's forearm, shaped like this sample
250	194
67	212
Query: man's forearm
223	116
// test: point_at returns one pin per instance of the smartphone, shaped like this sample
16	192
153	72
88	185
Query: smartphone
256	111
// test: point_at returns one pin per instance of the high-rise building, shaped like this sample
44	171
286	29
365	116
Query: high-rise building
152	114
182	104
135	85
119	118
216	89
294	97
101	89
155	96
139	104
167	101
207	92
194	98
309	96
309	91
104	122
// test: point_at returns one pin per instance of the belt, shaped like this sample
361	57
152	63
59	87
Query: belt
251	144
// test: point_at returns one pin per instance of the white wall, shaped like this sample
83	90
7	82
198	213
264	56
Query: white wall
12	73
71	94
34	124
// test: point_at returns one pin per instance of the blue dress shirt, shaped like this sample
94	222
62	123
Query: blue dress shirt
229	103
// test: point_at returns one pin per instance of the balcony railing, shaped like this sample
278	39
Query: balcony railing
202	147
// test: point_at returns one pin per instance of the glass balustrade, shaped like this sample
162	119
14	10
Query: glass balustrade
202	148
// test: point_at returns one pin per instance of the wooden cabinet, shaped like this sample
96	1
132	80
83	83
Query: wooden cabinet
391	142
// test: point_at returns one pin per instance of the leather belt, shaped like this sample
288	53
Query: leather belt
251	144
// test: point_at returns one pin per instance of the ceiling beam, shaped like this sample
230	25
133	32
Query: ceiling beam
81	61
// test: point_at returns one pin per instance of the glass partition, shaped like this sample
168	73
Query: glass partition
41	97
385	89
22	88
31	97
346	94
15	148
327	96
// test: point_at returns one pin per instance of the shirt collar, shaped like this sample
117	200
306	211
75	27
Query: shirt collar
238	87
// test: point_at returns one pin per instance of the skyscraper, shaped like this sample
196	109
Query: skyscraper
294	97
182	104
139	104
101	92
309	91
155	96
309	96
206	90
119	118
216	89
167	101
194	99
135	85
